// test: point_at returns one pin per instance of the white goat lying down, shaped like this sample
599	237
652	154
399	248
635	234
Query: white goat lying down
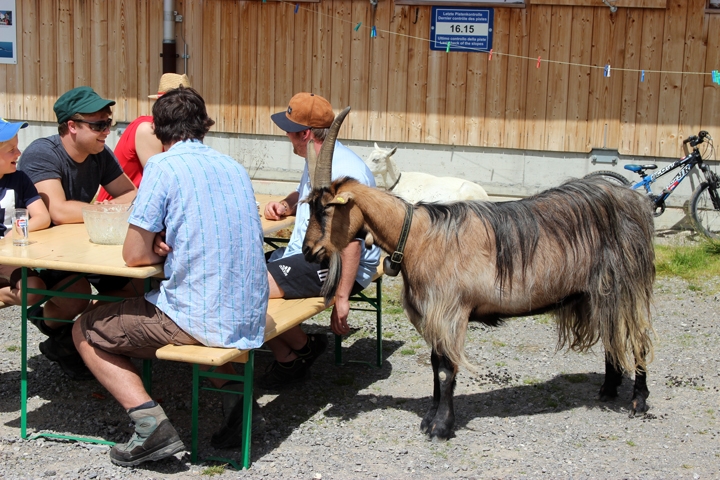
417	186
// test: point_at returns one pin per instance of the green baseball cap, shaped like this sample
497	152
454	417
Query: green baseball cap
79	100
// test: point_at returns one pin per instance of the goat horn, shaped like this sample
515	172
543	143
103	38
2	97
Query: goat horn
322	176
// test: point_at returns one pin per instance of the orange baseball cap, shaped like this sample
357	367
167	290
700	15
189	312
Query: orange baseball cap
305	110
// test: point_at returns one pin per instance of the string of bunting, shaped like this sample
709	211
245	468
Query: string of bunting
715	74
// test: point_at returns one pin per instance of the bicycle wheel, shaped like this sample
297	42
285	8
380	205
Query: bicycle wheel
612	177
703	212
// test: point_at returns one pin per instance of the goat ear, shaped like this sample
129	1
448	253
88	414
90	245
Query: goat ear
392	152
341	199
376	146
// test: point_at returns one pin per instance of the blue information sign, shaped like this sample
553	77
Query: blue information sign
467	29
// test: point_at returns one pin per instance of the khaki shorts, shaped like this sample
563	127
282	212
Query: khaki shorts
133	327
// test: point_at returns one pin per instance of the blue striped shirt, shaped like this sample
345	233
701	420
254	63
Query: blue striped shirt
215	285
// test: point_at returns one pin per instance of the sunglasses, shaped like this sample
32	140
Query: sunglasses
98	126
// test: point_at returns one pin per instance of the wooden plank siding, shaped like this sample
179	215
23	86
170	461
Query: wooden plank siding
247	58
579	81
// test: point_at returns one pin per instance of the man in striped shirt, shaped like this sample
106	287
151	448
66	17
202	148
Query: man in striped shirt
196	212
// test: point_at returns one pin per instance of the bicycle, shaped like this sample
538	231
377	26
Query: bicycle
705	199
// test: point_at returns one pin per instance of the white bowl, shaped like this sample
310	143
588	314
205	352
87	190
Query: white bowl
106	223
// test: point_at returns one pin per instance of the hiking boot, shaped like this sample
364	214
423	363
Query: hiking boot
315	346
280	376
154	439
230	434
61	349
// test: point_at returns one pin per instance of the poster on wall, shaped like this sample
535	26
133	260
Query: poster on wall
8	32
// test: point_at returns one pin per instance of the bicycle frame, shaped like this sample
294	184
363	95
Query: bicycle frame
685	164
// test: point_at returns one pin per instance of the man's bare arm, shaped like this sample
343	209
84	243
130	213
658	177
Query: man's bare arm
138	248
121	189
61	209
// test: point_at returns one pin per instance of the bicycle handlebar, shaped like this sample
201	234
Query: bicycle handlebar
696	140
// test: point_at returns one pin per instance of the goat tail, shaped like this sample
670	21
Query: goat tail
443	325
333	278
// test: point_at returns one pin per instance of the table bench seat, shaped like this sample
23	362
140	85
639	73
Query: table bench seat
282	315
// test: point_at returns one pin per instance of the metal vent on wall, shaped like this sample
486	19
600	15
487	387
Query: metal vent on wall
604	156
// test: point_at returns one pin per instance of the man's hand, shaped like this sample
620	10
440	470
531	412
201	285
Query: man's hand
159	246
276	211
339	316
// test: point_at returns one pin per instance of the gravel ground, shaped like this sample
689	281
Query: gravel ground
528	411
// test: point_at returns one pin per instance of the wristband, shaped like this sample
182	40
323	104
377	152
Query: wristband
287	207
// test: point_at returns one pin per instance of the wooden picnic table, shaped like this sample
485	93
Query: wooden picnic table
68	247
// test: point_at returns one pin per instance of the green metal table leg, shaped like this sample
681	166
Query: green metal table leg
195	408
378	317
23	354
248	375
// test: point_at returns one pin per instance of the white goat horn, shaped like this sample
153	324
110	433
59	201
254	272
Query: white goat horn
323	170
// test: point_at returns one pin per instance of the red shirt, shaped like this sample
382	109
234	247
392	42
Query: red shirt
127	155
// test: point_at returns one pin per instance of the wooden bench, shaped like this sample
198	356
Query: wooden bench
282	315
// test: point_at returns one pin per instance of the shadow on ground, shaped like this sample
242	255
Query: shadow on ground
86	409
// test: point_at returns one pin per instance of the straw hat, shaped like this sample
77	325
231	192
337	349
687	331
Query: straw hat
170	81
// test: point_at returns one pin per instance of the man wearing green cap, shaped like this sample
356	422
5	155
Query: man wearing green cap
67	170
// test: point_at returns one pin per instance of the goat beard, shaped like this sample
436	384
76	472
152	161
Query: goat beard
333	278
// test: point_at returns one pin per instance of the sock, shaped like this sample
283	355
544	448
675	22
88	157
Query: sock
150	404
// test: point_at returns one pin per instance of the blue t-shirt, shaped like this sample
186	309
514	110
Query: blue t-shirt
215	286
16	191
345	164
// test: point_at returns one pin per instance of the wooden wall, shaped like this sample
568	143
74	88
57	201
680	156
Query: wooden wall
247	58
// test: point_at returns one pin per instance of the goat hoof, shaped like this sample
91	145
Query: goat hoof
439	433
436	430
639	406
427	422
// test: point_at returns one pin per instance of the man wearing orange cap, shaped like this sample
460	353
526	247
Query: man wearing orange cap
308	117
138	142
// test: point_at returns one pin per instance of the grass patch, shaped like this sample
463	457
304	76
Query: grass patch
631	443
13	348
689	262
531	381
407	351
393	309
214	470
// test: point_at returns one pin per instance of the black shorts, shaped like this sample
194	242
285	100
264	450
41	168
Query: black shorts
102	283
297	277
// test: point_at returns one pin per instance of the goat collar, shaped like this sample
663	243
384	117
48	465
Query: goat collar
391	265
395	184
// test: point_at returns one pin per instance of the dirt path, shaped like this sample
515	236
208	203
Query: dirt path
527	413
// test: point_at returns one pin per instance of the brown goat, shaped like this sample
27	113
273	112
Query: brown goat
583	251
